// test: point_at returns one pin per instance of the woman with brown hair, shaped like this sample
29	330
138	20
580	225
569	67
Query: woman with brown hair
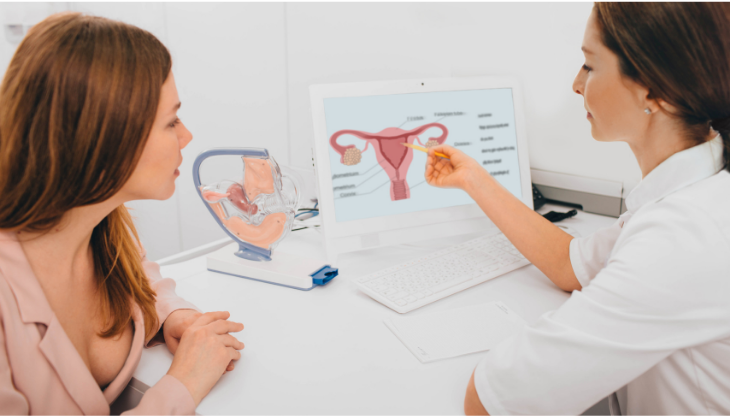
88	122
648	321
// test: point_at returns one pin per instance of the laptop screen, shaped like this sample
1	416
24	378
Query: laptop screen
374	175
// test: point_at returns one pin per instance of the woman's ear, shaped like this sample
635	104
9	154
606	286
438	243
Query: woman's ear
652	102
664	105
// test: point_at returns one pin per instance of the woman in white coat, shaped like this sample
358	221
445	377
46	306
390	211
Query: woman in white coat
648	322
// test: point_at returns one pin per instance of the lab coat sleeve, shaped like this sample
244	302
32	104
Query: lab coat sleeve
166	300
588	254
665	288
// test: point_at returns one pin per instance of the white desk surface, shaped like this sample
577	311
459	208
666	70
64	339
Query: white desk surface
327	351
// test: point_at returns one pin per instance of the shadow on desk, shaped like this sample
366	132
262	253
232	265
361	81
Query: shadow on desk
132	395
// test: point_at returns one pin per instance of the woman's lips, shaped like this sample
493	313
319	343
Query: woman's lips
589	116
177	172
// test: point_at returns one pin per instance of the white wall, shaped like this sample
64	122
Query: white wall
243	72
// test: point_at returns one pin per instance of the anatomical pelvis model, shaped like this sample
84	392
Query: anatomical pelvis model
392	155
257	209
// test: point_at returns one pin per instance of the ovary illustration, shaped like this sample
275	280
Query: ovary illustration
251	209
391	154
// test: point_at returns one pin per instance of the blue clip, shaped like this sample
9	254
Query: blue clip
324	275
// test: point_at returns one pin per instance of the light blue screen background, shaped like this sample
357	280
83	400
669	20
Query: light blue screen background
374	113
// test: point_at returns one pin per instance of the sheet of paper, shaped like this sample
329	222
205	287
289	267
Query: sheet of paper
447	334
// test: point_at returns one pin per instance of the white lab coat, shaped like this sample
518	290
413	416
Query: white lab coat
652	321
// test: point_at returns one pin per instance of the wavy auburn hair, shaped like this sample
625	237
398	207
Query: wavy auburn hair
681	53
76	107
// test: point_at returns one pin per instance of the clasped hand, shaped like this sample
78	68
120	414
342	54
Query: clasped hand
203	348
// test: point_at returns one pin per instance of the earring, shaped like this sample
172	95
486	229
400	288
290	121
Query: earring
647	111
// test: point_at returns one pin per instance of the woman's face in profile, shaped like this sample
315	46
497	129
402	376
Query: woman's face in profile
155	174
615	104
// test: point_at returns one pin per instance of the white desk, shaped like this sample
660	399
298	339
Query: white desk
327	351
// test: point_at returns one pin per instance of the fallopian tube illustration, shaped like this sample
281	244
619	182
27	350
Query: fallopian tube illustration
392	156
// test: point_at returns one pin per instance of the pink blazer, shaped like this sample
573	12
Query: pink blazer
40	370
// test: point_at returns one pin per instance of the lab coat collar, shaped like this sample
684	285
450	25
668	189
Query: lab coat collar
678	171
55	344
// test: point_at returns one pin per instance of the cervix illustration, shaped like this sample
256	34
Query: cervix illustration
392	156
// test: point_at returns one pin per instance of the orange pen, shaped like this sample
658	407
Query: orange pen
422	149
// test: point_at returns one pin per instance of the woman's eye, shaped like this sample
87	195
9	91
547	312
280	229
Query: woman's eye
174	123
585	67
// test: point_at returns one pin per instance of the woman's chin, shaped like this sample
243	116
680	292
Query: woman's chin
597	135
602	137
162	194
169	193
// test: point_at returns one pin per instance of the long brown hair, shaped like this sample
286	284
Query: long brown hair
76	107
681	53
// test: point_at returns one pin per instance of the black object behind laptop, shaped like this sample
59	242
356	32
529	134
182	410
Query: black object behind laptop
538	200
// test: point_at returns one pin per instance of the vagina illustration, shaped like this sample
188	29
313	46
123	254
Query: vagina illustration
391	154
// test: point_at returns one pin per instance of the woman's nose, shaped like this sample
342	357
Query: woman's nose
578	84
185	136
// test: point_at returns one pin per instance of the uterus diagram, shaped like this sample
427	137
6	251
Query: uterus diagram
392	156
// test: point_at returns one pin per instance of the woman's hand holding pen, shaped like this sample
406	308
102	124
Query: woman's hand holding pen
459	171
206	351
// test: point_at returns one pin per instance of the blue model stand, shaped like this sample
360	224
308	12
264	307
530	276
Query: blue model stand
319	278
324	275
286	269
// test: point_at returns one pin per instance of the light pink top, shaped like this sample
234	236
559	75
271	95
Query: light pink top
40	370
